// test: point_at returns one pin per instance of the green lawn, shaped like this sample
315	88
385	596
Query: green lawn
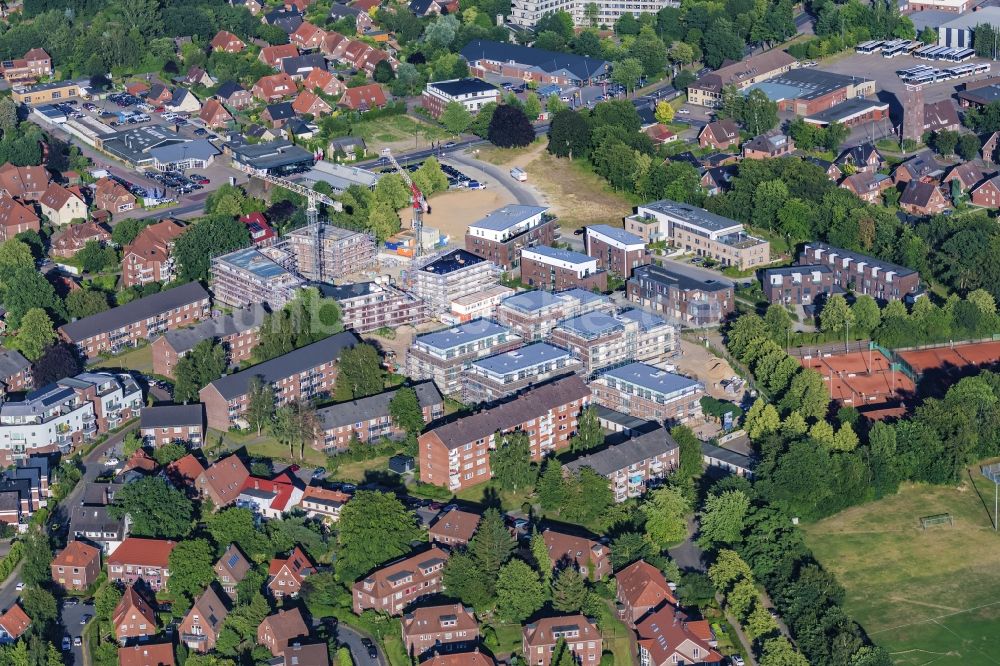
398	128
928	596
510	500
140	359
355	471
264	446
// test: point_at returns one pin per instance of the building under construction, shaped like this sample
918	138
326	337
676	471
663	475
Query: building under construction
341	251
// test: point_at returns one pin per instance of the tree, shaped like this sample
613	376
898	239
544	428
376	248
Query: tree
550	488
665	511
374	528
34	335
383	220
456	118
40	605
36	567
968	146
510	128
205	363
167	453
510	461
466	581
8	114
759	623
295	425
865	313
344	653
807	394
519	591
383	72
627	73
191	568
82	303
836	315
761	420
532	106
540	553
778	322
155	508
569	134
206	238
589	434
945	142
131	444
260	403
728	569
106	600
664	112
569	590
94	257
430	178
779	652
57	361
928	35
491	546
405	411
360	373
562	655
723	517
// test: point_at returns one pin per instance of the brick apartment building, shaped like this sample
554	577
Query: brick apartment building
631	465
134	618
454	528
797	285
15	372
148	258
200	628
112	196
533	314
393	587
697	230
368	419
471	93
649	393
682	296
503	233
600	340
166	424
495	377
238	332
249	276
441	280
861	273
441	356
369	306
141	559
556	269
582	637
440	630
63	415
342	251
456	455
707	91
138	321
616	250
77	566
306	373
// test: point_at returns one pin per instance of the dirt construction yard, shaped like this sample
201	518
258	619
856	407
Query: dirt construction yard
698	362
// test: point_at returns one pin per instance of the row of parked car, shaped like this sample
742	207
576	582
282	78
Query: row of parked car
178	181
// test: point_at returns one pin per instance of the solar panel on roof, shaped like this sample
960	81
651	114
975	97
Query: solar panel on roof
233	559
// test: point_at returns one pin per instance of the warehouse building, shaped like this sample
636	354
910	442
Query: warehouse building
807	91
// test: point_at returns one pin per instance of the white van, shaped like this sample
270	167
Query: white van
518	174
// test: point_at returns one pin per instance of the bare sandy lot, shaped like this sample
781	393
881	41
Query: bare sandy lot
577	196
452	212
697	361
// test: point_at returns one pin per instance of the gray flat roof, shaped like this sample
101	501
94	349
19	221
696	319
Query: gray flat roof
271	155
521	358
624	420
646	320
462	334
692	214
621	456
617	233
199	149
559	253
504	218
847	109
591	325
373	407
734	458
649	377
858	257
134	311
531	301
300	360
453	261
986	15
164	416
683	280
254	261
806	83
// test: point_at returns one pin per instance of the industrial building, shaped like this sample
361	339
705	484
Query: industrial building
806	91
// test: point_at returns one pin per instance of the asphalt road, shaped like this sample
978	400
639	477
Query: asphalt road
352	639
71	618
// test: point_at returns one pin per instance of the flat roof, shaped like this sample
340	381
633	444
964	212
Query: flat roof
592	324
805	83
462	334
581	67
339	176
455	260
271	155
521	358
199	149
692	214
861	258
253	261
651	378
504	218
162	416
466	86
685	281
559	254
969	20
847	109
646	320
617	233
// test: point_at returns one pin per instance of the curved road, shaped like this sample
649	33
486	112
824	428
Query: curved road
351	637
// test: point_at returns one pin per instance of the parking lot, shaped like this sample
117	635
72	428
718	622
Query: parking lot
456	179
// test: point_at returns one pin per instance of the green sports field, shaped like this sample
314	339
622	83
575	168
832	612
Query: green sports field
928	596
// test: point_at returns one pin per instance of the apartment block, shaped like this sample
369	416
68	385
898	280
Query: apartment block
76	566
167	424
368	419
443	355
649	393
682	296
149	258
556	269
533	314
631	465
64	415
527	13
481	305
248	276
238	332
306	373
862	274
600	340
503	233
439	629
369	306
591	558
393	587
141	559
15	372
456	455
342	251
797	285
495	377
700	232
616	250
440	280
137	321
471	93
581	635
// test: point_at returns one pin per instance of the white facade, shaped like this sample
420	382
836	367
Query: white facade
473	97
507	222
579	265
527	13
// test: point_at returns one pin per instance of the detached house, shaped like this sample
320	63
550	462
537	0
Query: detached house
223	481
110	195
157	654
287	574
27	183
228	42
720	134
667	638
214	115
274	87
582	637
362	20
278	114
364	98
277	631
324	81
922	199
76	566
234	95
968	175
987	193
200	628
183	101
13	623
141	559
861	158
15	217
311	103
273	55
439	629
867	185
134	617
75	237
640	589
232	568
393	587
61	205
591	558
768	146
307	36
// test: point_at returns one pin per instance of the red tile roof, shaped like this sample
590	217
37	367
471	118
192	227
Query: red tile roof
161	654
185	471
15	621
666	633
76	554
273	55
366	97
642	584
147	552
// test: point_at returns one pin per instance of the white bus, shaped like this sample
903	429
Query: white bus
895	50
981	68
962	55
923	79
913	71
873	46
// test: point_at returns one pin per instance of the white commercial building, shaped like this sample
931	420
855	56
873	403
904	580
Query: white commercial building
471	93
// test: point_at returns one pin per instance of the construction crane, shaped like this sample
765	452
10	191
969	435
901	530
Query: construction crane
417	200
313	198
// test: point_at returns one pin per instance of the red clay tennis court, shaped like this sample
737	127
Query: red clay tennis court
959	356
861	378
